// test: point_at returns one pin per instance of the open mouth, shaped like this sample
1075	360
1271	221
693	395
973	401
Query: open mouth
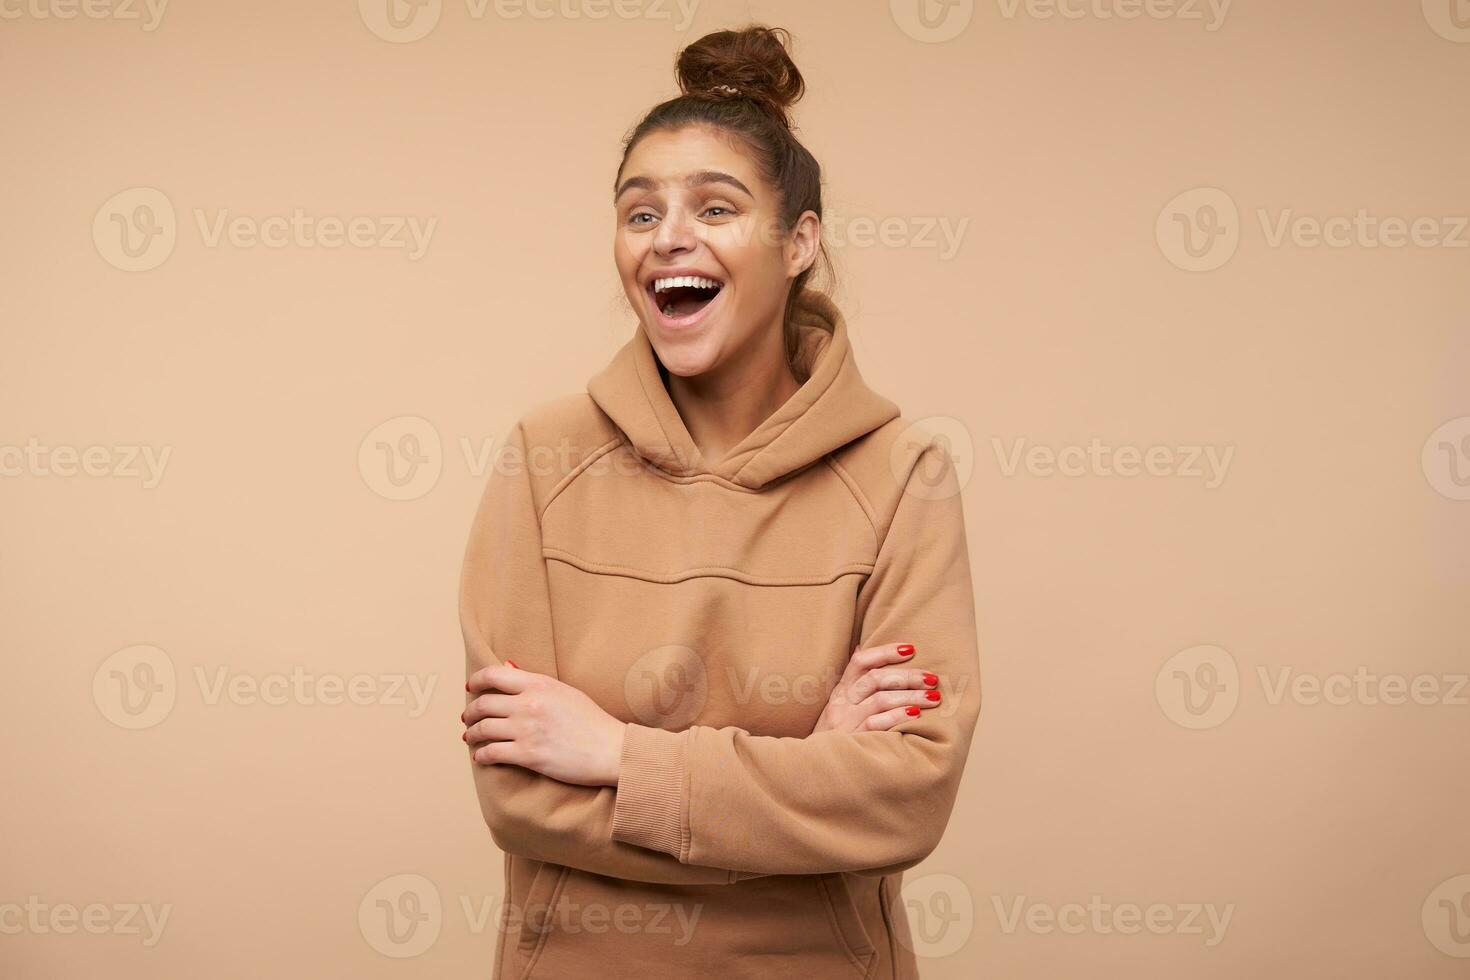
683	297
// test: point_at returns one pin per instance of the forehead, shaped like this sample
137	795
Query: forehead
672	155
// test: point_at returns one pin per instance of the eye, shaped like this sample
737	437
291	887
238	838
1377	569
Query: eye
633	218
718	207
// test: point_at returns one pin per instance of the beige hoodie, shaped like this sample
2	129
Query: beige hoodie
712	609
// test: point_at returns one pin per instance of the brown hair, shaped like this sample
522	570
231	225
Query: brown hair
741	83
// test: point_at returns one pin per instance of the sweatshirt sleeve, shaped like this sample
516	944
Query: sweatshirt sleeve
505	611
872	803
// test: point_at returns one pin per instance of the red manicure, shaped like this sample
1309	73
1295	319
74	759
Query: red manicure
931	679
465	737
905	649
912	709
932	695
513	664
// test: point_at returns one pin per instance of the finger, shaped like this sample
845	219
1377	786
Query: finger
498	677
883	654
888	700
892	679
879	656
489	730
495	753
494	705
885	720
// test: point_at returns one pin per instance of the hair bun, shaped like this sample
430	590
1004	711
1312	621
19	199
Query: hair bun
751	63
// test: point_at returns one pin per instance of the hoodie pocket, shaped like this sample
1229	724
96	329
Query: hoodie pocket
531	917
847	922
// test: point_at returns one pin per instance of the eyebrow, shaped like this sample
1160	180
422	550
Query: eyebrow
696	179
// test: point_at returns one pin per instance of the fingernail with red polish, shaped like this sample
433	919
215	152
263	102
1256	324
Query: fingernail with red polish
514	664
912	709
465	737
932	695
466	685
931	679
905	649
461	716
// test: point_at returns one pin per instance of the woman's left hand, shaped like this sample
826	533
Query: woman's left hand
538	722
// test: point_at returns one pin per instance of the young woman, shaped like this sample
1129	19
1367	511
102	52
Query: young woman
717	609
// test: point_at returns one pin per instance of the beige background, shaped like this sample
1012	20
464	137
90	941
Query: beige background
1333	544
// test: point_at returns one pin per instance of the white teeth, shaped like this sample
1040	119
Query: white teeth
659	285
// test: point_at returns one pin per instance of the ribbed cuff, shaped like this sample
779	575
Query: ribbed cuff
649	811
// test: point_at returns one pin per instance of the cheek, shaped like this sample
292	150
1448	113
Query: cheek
626	255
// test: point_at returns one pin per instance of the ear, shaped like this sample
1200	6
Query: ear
802	244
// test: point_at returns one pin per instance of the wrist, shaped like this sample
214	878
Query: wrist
614	763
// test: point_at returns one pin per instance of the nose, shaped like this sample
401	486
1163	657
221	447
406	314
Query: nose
676	233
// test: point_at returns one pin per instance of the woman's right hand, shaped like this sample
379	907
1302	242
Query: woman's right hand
878	690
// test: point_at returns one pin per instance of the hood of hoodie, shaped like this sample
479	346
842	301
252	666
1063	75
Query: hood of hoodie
831	408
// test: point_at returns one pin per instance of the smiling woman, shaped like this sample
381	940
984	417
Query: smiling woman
637	635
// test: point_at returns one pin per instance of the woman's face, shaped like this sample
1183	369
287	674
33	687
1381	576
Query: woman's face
689	204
